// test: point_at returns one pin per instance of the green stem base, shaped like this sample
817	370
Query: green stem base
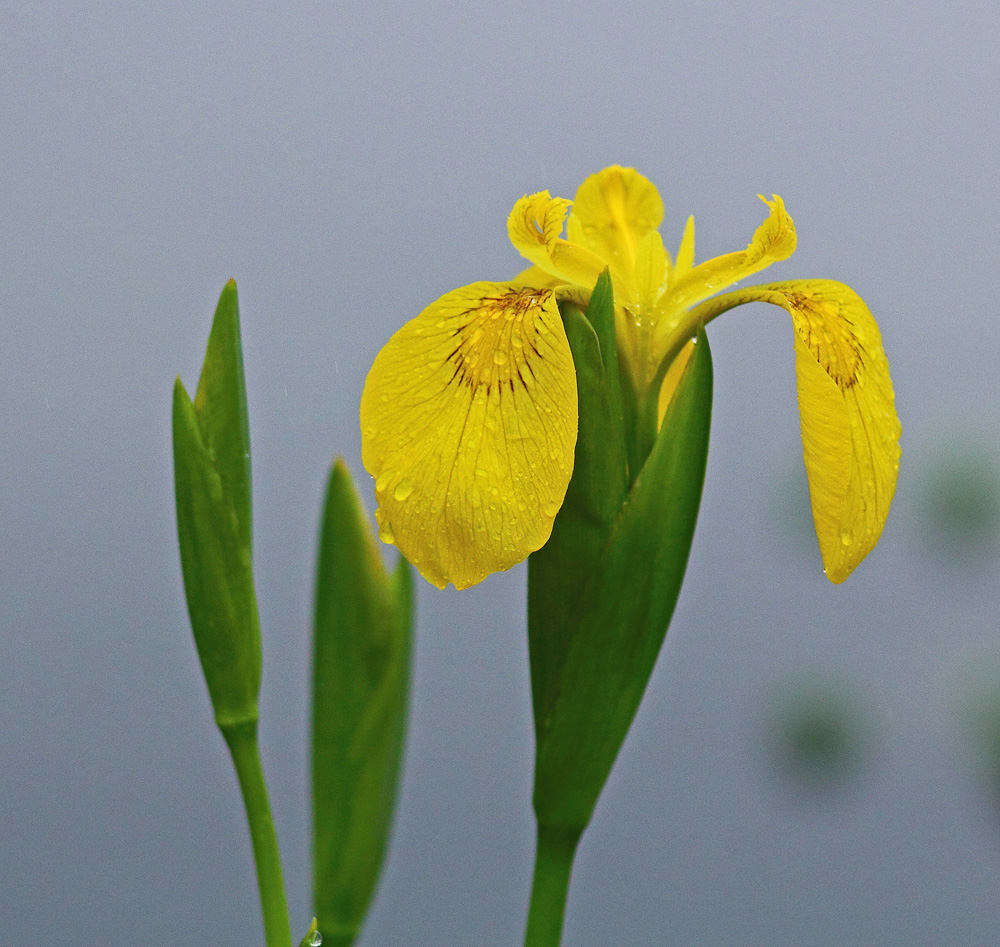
553	864
242	741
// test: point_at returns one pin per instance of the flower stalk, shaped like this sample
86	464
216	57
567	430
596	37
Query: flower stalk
242	742
553	865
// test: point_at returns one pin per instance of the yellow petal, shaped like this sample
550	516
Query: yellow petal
534	277
773	240
685	254
850	431
672	379
652	264
612	211
468	425
534	226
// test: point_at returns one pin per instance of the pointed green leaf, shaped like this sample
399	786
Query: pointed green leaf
558	572
218	572
621	616
220	405
360	695
313	937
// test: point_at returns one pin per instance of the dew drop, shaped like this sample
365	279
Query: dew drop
476	336
846	536
386	534
551	508
315	939
500	357
403	489
383	481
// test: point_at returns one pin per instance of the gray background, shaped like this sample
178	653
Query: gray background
347	163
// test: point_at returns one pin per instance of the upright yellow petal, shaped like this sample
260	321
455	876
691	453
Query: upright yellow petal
850	431
685	254
534	226
773	240
672	379
468	424
612	211
652	264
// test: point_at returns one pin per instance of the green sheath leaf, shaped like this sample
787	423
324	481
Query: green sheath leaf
212	485
559	571
360	694
220	404
611	633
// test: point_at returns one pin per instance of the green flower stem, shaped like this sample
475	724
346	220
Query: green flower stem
553	864
242	741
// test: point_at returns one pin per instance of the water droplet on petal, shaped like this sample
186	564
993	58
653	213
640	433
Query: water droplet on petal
846	536
386	534
383	481
315	939
500	357
551	508
403	489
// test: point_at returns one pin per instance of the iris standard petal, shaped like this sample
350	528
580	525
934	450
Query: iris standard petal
850	430
468	424
612	211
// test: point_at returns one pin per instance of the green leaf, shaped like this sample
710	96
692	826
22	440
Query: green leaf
313	936
220	404
361	675
212	486
559	571
613	630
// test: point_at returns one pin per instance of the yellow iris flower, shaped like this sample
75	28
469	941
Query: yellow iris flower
469	413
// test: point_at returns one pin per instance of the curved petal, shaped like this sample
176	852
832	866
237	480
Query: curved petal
773	240
534	225
468	425
850	430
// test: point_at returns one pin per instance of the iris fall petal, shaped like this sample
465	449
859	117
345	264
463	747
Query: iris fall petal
469	422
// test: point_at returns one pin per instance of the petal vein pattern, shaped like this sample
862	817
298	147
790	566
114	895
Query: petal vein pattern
469	423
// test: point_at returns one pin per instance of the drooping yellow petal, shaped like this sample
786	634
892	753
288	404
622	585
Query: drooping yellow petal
468	425
535	224
850	430
773	240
